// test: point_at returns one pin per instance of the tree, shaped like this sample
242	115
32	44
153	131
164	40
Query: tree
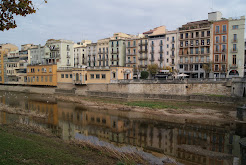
144	75
207	68
153	68
9	8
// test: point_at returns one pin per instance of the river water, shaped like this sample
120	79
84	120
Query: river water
186	142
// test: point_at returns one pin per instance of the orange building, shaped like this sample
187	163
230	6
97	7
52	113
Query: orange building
42	75
220	48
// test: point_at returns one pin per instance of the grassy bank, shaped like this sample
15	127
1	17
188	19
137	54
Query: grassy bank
157	104
18	146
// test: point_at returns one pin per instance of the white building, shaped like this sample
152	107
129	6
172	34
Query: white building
61	53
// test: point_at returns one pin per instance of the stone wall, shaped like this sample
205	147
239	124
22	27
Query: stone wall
28	89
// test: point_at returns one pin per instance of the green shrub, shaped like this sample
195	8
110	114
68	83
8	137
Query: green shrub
144	75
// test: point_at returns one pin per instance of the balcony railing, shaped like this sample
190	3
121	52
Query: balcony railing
172	56
131	46
173	41
220	32
143	51
143	43
171	64
234	50
233	66
114	59
160	51
160	59
115	52
131	62
152	52
131	54
219	61
234	40
68	64
152	59
143	58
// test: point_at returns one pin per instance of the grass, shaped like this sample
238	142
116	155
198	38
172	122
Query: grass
17	147
154	105
165	104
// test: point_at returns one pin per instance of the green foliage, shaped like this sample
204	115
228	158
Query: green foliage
154	105
8	8
153	69
144	75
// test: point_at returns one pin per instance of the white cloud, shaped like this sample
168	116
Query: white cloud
96	19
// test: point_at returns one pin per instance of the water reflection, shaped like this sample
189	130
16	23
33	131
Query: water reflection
189	143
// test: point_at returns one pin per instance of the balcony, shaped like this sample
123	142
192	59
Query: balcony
160	59
234	50
220	32
143	51
143	66
234	40
68	64
160	51
114	59
115	52
131	62
152	52
233	66
68	56
143	44
161	44
181	62
131	54
152	44
172	49
172	56
131	46
143	58
68	49
173	41
152	59
219	61
171	64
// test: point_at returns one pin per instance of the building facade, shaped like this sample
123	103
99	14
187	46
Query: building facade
4	50
103	52
91	50
80	53
194	48
236	59
42	75
61	53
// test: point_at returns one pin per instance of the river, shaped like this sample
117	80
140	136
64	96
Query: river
189	142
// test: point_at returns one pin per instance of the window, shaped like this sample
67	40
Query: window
234	59
234	47
50	70
224	39
167	38
224	28
167	45
235	27
46	78
42	79
216	67
97	76
196	67
234	37
114	75
92	76
71	76
62	75
223	58
217	29
37	79
216	58
50	78
66	75
181	66
103	76
217	39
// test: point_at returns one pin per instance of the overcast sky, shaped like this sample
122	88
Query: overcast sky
96	19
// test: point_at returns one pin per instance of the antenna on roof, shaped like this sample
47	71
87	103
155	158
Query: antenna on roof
212	6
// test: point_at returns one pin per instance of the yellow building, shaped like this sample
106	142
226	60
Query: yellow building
4	50
42	75
80	76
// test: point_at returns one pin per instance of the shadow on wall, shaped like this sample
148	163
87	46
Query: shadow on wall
244	92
